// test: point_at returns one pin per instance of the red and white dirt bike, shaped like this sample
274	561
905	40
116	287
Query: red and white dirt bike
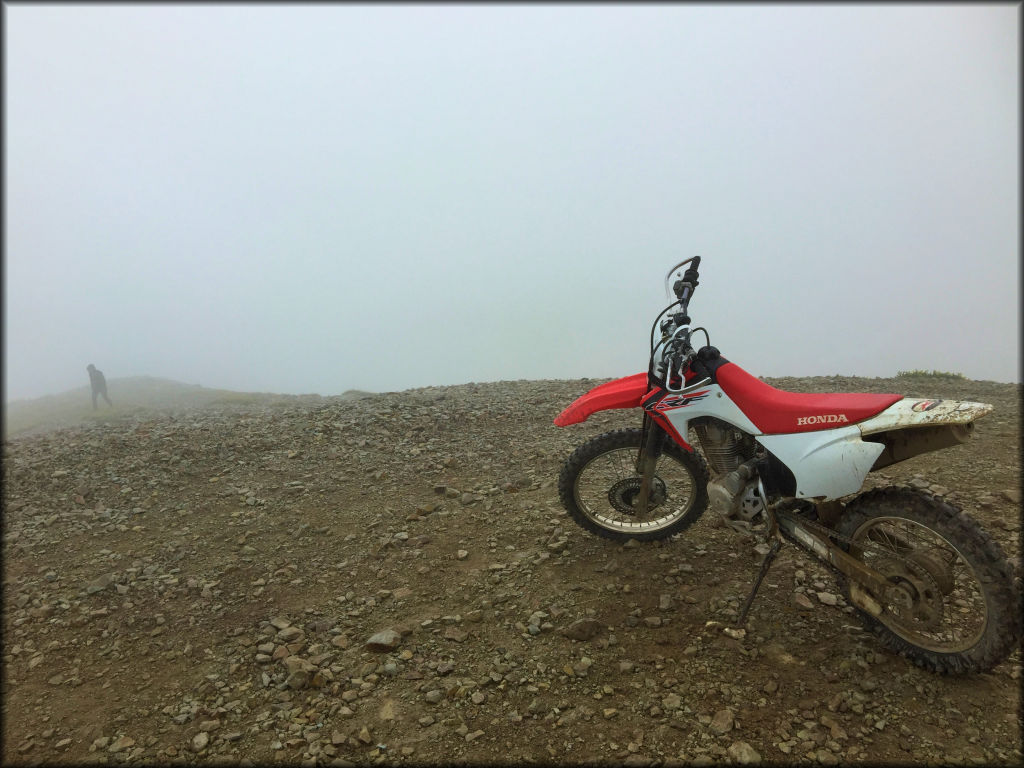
928	580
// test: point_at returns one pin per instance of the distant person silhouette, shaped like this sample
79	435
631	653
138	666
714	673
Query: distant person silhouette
99	385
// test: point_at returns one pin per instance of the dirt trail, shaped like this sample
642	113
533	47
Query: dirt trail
201	585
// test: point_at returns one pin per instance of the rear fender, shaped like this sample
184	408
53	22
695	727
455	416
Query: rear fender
912	426
627	392
910	413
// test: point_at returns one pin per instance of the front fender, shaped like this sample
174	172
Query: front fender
627	392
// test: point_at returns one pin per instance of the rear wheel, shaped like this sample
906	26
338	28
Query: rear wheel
599	485
953	604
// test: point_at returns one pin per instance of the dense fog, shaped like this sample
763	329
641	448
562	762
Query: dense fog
311	199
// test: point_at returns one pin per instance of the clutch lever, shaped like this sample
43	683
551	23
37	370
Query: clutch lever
683	263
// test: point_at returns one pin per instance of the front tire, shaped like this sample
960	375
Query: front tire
599	483
954	605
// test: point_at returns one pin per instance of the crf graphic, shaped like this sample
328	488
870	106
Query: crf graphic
679	401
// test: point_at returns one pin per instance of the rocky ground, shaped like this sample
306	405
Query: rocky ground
392	579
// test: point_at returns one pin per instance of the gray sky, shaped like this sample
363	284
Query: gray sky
317	198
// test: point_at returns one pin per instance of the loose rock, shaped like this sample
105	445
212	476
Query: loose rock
385	640
583	629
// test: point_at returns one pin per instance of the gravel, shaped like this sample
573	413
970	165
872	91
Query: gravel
337	581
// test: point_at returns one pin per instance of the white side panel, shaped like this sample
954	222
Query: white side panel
902	414
829	463
715	403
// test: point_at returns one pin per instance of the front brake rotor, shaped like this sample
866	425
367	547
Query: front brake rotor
623	495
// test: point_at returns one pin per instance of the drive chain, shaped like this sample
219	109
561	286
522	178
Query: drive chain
828	533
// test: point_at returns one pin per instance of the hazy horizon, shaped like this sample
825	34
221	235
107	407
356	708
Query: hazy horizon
113	382
312	199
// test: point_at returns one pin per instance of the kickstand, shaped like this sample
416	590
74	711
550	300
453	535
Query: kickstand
766	563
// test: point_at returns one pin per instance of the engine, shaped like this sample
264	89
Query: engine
725	447
731	455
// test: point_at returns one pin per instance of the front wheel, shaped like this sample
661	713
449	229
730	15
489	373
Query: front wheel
952	604
599	485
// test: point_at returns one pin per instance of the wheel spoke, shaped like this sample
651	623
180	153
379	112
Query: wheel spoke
607	487
915	607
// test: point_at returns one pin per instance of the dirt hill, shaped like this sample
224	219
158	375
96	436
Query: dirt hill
198	579
133	398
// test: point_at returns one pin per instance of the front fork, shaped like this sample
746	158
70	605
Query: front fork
651	442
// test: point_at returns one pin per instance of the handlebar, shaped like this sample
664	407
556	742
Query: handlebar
690	275
677	350
685	286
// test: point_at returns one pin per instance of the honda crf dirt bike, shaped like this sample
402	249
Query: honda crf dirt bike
928	580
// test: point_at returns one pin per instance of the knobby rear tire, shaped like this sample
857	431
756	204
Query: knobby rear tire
994	578
691	463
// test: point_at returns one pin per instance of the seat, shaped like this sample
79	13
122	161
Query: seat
775	411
